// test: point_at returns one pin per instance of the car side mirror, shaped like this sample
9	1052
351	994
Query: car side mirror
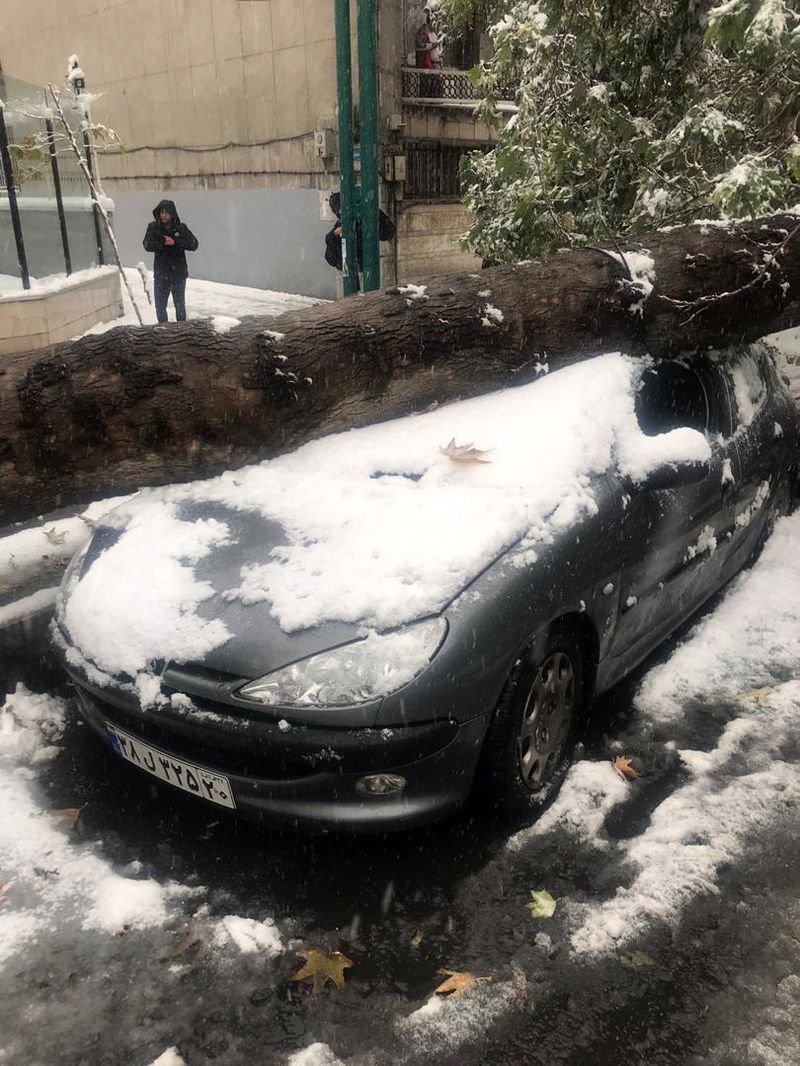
675	475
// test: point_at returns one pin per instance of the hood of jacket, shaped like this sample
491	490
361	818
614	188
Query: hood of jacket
166	205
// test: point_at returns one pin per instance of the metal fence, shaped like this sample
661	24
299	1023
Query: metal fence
433	169
47	221
443	84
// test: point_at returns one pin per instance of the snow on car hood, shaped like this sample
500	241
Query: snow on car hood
380	526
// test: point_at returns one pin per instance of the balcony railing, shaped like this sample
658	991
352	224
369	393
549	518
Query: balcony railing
444	85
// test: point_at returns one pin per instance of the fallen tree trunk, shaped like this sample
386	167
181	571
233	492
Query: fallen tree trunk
137	406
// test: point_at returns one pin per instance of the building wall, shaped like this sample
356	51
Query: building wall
222	93
216	103
265	238
428	241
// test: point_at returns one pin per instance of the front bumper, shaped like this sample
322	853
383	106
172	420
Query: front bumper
305	777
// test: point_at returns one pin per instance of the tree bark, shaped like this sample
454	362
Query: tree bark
141	406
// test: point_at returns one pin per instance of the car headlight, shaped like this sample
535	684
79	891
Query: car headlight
356	673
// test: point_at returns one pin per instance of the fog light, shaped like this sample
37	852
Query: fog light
380	785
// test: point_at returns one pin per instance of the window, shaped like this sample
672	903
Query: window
671	396
749	386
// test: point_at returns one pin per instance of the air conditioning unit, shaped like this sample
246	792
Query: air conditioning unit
323	143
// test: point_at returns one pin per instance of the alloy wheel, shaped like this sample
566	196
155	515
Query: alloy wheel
546	720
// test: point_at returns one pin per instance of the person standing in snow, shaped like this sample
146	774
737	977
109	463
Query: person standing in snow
169	239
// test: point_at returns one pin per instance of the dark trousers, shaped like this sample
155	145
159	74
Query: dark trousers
165	285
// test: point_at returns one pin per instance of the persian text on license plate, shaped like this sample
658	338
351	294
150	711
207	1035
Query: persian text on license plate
184	775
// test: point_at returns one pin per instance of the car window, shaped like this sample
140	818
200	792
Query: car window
749	386
671	396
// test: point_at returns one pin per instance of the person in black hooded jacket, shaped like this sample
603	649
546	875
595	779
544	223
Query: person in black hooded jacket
170	240
333	239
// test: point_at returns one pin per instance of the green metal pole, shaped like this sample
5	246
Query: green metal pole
344	101
368	106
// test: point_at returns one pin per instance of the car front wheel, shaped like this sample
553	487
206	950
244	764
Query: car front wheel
525	752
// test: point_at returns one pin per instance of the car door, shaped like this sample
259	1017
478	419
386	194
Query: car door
758	410
674	541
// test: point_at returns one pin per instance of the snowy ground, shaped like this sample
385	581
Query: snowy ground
207	299
674	939
204	299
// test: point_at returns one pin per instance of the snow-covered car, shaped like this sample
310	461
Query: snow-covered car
359	633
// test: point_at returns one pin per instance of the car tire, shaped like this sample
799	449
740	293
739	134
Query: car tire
525	753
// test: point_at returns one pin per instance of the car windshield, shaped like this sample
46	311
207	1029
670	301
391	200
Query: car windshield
671	396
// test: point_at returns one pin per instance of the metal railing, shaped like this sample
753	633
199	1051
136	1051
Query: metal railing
433	169
48	207
445	84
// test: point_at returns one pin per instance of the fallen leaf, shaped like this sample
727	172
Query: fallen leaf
417	939
622	764
4	889
519	982
457	982
640	958
191	937
54	537
542	905
758	695
321	967
67	817
465	453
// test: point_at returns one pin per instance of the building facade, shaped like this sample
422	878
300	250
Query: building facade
229	108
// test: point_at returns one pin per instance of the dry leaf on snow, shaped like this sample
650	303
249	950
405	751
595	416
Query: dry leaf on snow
321	967
67	817
457	982
758	695
622	764
4	889
519	982
465	453
191	937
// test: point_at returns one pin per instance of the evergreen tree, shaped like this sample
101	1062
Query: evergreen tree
630	114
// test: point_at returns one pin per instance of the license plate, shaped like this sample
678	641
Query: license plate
177	772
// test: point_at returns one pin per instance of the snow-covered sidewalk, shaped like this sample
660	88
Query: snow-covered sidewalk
207	299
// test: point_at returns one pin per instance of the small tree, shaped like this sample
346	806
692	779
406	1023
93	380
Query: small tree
631	113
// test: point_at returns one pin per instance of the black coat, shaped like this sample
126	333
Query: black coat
333	243
170	260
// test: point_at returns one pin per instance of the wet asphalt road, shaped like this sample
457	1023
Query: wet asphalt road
400	907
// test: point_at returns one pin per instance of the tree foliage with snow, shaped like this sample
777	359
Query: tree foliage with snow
630	114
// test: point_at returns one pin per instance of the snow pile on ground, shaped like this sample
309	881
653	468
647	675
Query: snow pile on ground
382	526
11	287
444	1023
249	936
170	1057
748	653
589	792
52	883
314	1055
